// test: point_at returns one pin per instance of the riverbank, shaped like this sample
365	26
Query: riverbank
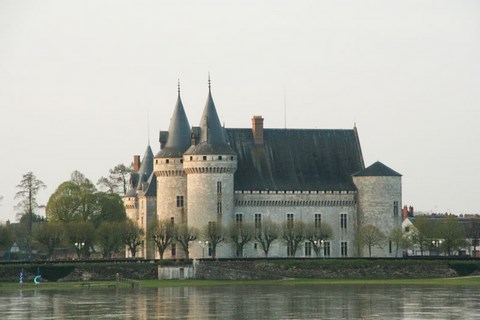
152	284
240	269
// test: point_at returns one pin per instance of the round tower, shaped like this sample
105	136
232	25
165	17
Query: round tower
379	201
171	178
210	164
139	202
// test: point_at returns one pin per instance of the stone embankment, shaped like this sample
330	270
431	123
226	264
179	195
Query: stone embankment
277	269
243	269
79	272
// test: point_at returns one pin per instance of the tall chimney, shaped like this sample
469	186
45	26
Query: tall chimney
257	128
136	163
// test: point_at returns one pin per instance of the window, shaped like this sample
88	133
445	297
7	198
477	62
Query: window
258	220
290	252
219	157
191	158
172	220
219	187
174	249
290	220
344	249
407	229
326	249
238	218
343	221
210	249
167	161
180	201
308	249
219	207
395	208
318	220
389	246
204	157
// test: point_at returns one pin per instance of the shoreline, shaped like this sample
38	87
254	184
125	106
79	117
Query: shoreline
152	284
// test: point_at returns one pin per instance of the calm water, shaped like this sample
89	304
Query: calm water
246	302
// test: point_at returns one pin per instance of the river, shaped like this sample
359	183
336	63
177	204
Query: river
246	302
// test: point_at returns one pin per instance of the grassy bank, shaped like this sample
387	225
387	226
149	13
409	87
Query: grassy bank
113	285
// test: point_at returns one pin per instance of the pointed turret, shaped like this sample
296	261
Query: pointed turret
146	168
178	132
212	138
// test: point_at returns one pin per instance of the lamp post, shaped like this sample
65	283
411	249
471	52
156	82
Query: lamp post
319	244
203	244
437	244
79	246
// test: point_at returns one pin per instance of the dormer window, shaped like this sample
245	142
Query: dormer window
167	161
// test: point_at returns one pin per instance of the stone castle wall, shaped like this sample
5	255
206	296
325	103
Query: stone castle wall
209	185
304	206
379	203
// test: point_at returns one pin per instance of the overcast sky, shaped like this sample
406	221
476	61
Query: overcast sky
81	80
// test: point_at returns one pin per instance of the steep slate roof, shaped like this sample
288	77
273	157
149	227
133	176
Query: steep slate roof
296	159
144	176
151	190
178	133
146	167
212	135
377	169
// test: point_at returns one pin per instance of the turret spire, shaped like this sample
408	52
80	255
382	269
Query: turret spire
178	132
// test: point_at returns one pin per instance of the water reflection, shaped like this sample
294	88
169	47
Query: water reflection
245	302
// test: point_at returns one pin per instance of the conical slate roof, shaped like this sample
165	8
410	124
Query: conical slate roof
377	169
146	167
213	138
178	133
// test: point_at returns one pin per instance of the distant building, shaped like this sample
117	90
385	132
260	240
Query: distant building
211	174
468	225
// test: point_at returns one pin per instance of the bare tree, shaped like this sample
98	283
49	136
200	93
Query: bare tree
184	235
397	237
240	233
108	237
451	233
318	234
49	234
473	234
6	236
422	233
117	181
293	234
266	234
370	236
132	236
29	187
81	235
215	234
163	233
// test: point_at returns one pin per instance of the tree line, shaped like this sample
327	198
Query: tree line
78	216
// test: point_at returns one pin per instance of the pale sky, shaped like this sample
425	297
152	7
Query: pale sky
81	80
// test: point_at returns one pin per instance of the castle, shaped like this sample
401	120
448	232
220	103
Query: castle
214	174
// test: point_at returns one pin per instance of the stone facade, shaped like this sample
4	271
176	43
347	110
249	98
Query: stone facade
209	174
